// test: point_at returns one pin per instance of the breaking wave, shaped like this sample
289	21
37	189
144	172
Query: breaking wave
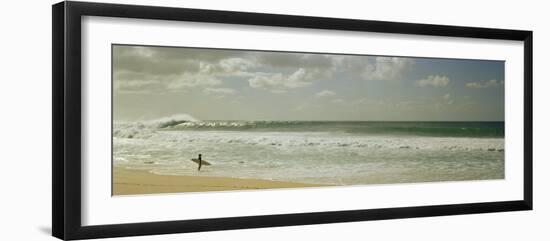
316	152
184	122
145	129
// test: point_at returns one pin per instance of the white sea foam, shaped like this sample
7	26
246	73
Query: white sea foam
316	157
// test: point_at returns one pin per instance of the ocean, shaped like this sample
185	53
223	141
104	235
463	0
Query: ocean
316	152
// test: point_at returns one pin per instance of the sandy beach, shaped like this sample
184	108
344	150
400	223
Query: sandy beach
128	182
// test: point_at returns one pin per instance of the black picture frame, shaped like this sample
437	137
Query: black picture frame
66	128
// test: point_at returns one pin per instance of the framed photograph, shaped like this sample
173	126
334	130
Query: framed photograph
170	120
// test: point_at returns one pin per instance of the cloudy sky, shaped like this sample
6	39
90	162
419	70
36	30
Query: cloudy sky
213	84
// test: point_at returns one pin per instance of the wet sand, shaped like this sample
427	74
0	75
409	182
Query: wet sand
128	182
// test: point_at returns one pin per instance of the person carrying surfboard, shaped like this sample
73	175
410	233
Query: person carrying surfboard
200	161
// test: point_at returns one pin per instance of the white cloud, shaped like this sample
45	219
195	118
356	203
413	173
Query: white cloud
484	84
236	64
127	82
219	91
337	101
161	70
191	80
378	68
279	83
136	86
293	60
325	93
229	66
155	69
279	91
135	83
388	68
434	80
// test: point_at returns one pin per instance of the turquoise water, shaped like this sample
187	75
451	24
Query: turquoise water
338	153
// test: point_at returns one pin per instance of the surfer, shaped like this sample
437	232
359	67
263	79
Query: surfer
200	162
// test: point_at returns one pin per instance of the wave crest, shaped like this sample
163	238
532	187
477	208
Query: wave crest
145	129
172	120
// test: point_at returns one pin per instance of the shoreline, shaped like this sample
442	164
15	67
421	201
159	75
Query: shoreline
130	182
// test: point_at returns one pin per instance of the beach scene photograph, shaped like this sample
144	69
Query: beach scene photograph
190	119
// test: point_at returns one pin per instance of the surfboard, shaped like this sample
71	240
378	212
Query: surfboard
195	160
